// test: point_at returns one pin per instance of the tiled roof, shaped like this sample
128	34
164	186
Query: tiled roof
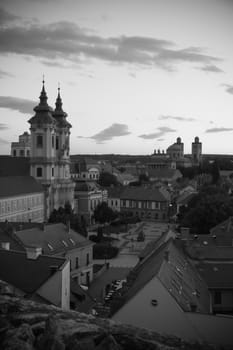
18	185
141	193
176	274
54	239
86	186
217	275
115	192
164	173
14	166
210	252
26	274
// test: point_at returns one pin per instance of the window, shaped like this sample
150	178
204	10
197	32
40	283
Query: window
52	141
57	142
39	141
21	153
38	172
52	172
28	153
217	297
14	153
88	260
77	263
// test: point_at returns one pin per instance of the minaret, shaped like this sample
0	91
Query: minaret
196	150
42	160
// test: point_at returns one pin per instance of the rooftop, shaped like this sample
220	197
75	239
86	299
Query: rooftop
12	186
217	275
141	193
14	166
26	274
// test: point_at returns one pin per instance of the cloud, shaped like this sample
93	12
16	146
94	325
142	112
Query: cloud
18	104
3	126
211	68
4	142
218	130
162	130
229	88
6	17
166	117
66	40
115	130
4	74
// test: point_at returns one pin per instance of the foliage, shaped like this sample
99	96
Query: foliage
104	251
65	215
103	213
207	209
107	179
141	236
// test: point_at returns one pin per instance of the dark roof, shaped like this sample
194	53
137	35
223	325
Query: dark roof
54	239
185	198
114	192
210	252
86	186
14	243
176	274
26	274
164	173
225	227
14	166
18	185
217	275
142	193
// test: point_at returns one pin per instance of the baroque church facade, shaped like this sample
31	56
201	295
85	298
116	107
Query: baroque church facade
50	153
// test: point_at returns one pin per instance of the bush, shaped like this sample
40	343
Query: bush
104	251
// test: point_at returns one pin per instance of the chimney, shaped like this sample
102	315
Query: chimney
33	252
53	269
5	245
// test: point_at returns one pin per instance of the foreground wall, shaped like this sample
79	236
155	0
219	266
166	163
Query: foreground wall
32	326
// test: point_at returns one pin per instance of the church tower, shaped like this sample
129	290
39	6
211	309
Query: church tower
196	151
49	162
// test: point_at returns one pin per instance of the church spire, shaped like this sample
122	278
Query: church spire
59	101
43	95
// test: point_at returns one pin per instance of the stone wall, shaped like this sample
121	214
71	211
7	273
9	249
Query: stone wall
27	325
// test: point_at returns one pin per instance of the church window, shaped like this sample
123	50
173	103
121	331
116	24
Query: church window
39	141
39	172
57	142
52	141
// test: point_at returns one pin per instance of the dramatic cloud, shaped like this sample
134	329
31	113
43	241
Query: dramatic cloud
6	16
18	104
4	74
3	126
211	68
162	130
229	88
218	130
115	130
166	117
66	40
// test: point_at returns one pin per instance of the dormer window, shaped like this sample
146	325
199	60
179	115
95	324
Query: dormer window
50	247
65	243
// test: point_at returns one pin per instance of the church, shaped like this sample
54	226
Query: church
50	153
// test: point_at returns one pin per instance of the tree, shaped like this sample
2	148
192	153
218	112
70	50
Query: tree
106	179
207	209
103	213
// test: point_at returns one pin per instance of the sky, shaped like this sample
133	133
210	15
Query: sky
134	74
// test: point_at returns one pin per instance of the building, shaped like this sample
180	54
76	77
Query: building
87	196
160	161
21	199
85	169
38	277
50	148
164	175
145	203
196	151
114	195
22	148
166	294
59	240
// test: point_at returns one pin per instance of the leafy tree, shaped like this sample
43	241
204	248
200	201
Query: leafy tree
103	213
106	179
207	209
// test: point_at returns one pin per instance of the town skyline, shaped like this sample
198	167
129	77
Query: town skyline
134	76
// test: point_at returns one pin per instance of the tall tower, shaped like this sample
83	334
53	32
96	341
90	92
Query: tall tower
196	151
49	162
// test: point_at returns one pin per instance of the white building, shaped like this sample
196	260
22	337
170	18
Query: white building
22	148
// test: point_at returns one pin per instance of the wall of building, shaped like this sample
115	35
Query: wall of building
166	318
65	290
51	290
85	263
23	208
225	304
153	210
114	204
